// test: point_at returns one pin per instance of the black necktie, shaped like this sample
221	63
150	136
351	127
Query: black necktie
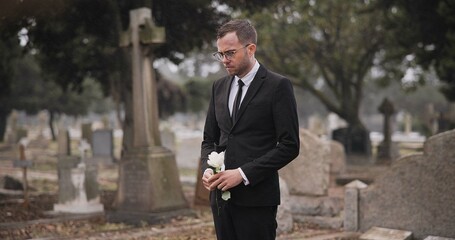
238	99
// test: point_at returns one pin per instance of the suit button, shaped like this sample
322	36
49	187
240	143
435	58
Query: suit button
231	136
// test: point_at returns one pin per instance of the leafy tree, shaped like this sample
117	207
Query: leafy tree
77	39
326	47
32	93
426	31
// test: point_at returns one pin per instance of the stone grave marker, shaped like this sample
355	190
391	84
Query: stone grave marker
103	146
78	188
378	233
351	205
387	150
309	173
416	193
86	132
356	141
63	142
161	196
437	238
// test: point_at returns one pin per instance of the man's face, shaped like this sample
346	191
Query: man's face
241	61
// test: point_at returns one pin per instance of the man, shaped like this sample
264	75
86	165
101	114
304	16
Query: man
260	138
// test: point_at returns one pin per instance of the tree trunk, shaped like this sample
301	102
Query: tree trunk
51	125
3	122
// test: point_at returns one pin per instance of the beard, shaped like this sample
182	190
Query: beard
240	69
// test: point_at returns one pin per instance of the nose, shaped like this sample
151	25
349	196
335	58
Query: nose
225	59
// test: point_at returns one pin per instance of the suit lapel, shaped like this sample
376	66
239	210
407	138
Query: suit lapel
227	90
252	90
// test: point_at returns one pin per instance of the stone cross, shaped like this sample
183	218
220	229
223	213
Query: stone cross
386	150
387	109
149	185
143	36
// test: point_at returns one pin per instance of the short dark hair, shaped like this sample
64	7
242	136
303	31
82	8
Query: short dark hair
242	28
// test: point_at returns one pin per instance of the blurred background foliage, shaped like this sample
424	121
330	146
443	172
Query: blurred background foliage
343	56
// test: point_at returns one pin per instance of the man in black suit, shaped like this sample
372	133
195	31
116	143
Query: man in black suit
259	137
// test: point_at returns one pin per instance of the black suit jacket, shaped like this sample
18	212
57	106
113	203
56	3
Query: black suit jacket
264	138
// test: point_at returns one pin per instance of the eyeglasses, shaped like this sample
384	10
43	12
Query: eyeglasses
229	54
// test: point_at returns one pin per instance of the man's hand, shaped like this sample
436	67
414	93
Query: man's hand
208	173
225	180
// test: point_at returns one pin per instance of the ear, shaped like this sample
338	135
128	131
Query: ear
251	49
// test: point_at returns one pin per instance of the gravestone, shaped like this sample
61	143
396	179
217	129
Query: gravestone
157	194
356	140
284	211
316	125
309	173
438	238
201	194
63	142
377	233
41	141
351	205
417	192
103	146
86	132
77	181
387	150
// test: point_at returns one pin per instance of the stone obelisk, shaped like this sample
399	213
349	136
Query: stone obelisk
149	186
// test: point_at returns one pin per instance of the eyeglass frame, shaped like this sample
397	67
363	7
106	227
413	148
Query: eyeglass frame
229	54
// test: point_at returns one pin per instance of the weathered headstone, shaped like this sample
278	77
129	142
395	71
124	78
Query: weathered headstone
417	192
86	132
316	125
309	173
378	233
63	142
387	150
201	194
284	212
103	146
149	186
77	180
437	238
351	205
356	140
82	196
308	181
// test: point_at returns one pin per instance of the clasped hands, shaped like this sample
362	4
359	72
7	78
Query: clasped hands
224	180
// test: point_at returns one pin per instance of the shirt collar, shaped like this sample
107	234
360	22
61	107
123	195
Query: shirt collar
248	78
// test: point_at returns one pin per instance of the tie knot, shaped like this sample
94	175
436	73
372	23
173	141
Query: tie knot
240	82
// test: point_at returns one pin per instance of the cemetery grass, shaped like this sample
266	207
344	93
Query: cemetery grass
36	221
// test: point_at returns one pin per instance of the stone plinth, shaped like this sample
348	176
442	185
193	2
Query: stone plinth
149	187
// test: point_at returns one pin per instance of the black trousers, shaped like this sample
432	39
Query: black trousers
233	222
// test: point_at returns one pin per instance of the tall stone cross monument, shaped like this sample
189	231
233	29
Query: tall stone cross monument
387	150
149	186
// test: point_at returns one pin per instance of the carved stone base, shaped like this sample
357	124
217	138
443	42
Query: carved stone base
149	185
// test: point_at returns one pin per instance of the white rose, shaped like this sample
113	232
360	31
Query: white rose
216	160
